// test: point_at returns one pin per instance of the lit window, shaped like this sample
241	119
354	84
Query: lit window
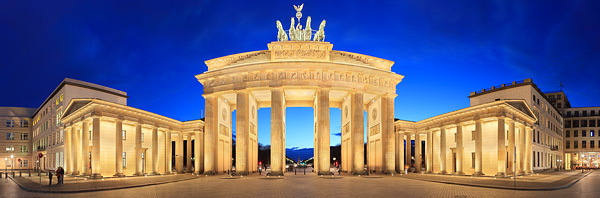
24	136
124	160
124	135
473	134
142	137
24	123
10	148
24	149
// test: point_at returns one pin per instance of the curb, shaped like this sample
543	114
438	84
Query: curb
26	188
508	187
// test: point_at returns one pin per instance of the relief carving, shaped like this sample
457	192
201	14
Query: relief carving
281	75
374	130
252	129
223	130
299	54
346	129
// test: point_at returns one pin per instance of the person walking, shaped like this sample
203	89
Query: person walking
49	177
59	175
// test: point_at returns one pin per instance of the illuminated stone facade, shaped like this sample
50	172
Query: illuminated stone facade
299	74
15	138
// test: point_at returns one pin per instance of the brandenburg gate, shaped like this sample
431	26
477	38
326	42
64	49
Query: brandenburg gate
299	70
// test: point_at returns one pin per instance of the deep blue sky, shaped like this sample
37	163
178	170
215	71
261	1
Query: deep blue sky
153	49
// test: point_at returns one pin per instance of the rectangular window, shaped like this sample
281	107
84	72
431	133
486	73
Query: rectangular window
10	148
575	123
592	123
575	144
473	160
24	149
24	136
533	136
584	113
593	113
124	160
558	97
25	163
142	137
10	123
568	144
575	133
584	123
558	105
576	113
10	136
473	135
592	144
568	113
24	123
534	98
583	144
591	133
538	157
583	133
533	159
124	135
454	137
568	133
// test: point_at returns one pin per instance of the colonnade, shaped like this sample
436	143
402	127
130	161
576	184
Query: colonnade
90	142
444	155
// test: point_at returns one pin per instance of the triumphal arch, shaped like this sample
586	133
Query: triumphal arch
300	69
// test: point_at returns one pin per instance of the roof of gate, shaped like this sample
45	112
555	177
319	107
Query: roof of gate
299	51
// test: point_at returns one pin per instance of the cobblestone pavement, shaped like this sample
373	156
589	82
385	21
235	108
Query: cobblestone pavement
312	186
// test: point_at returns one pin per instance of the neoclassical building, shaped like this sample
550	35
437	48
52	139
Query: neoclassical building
488	139
104	138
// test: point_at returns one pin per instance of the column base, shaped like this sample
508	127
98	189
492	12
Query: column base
500	174
155	173
458	173
167	173
520	173
189	171
119	175
428	172
86	174
324	173
389	172
478	174
442	172
275	173
75	173
360	172
210	172
197	173
96	176
529	172
139	174
244	173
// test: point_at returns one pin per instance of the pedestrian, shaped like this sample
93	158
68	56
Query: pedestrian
59	175
62	175
49	177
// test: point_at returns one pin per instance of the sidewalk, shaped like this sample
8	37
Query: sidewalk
539	182
80	184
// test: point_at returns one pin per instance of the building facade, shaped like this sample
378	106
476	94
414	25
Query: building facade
48	136
15	138
582	143
547	133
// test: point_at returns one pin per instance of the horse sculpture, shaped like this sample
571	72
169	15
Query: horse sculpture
320	35
307	30
281	35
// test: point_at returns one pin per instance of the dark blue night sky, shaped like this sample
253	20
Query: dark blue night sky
153	49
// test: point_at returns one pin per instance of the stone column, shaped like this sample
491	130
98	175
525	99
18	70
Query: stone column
408	158
459	149
210	135
242	125
387	133
138	149
85	148
478	149
501	148
520	141
67	157
155	151
119	148
95	148
323	131
198	154
429	152
169	153
443	169
417	153
511	147
189	154
400	152
75	150
529	150
179	153
357	130
277	131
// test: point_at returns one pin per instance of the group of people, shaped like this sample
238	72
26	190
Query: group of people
60	174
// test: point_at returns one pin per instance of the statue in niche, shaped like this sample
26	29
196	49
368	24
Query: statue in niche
281	35
320	35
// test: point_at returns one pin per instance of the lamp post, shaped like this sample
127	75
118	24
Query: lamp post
6	166
582	158
12	164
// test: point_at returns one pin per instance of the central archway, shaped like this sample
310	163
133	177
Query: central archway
299	74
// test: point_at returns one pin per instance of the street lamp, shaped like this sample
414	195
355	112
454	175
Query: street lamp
582	158
12	164
5	164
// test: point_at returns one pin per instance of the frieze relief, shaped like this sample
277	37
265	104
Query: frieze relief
300	75
346	128
299	54
223	130
374	130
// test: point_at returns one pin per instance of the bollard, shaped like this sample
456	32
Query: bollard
304	170
19	173
294	171
29	172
